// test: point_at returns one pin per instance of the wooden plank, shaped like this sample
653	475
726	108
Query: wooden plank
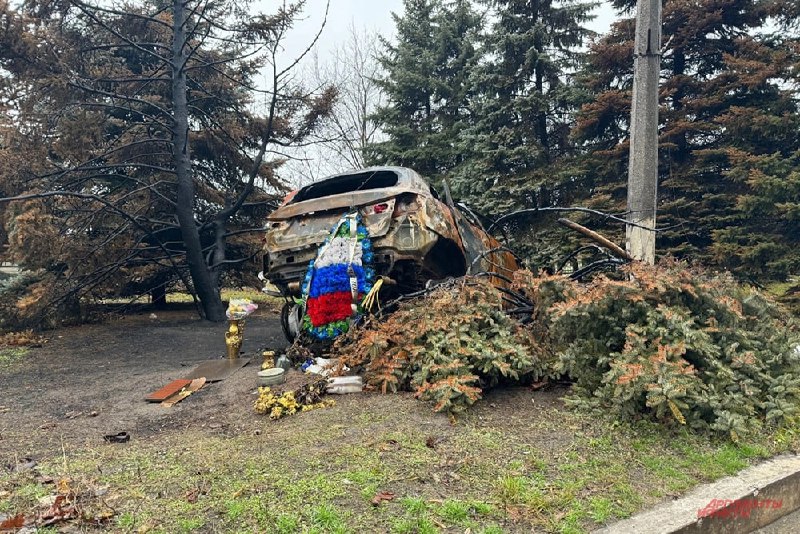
168	390
195	384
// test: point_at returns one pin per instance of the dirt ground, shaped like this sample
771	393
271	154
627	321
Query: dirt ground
517	461
90	381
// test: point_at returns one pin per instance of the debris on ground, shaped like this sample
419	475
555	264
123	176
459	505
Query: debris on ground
193	387
25	338
169	390
65	506
119	437
217	370
382	496
300	393
345	384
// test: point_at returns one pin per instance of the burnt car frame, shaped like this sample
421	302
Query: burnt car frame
416	235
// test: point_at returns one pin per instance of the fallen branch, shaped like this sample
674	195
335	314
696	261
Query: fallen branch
594	236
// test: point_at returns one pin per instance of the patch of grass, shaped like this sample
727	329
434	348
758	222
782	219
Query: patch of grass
126	520
512	489
190	524
414	505
287	524
453	511
572	522
416	518
560	471
328	519
230	293
601	509
421	525
11	355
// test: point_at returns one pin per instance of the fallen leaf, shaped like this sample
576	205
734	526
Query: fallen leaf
382	496
57	513
389	445
433	441
63	487
18	521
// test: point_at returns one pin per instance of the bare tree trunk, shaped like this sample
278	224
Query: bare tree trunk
218	257
207	290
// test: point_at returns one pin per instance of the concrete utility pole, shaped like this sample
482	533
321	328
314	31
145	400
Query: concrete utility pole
643	166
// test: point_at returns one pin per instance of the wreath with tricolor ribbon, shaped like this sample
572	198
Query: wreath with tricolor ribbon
338	279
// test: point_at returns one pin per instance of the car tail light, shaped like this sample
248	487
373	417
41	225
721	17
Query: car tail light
377	209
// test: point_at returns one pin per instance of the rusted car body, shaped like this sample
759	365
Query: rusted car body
416	236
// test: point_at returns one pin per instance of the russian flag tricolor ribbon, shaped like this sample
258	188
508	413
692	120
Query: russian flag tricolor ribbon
337	279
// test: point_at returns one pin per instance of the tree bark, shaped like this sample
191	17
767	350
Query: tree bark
202	279
158	297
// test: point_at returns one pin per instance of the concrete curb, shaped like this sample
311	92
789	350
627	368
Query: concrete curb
754	498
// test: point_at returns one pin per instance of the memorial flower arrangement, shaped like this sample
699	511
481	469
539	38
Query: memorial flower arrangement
338	279
239	309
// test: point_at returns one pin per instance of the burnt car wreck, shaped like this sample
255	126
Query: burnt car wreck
416	236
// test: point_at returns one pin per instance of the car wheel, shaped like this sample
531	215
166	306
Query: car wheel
291	319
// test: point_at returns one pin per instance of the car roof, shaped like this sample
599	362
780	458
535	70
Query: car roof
403	177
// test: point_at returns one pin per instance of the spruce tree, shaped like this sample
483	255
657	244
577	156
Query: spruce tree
525	104
426	85
728	132
517	148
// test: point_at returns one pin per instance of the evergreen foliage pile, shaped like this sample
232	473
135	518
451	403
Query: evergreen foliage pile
447	347
676	345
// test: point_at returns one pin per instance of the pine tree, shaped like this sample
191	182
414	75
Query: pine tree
426	86
728	135
525	104
518	151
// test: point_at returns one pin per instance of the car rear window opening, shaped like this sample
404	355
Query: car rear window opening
347	184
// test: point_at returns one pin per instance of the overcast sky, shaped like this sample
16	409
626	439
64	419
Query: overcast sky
370	15
373	15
